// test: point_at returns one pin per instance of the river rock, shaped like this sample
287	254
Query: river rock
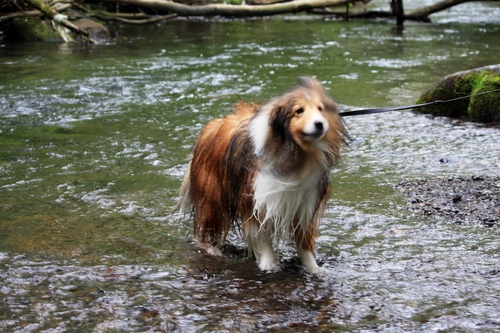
482	108
98	32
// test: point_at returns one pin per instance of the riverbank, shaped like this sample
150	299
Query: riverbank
474	199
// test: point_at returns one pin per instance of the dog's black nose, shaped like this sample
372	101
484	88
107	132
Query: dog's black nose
318	125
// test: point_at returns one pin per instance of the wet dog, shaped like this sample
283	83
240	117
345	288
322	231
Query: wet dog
266	168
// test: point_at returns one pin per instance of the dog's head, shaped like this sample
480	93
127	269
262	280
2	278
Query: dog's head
305	117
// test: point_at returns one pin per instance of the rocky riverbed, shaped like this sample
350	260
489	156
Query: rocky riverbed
459	199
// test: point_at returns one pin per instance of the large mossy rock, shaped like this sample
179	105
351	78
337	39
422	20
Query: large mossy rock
483	108
30	30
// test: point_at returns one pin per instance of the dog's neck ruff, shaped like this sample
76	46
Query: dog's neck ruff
259	129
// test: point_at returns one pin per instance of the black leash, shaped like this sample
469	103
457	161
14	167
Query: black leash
415	106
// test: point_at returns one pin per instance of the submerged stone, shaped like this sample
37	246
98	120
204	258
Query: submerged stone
480	108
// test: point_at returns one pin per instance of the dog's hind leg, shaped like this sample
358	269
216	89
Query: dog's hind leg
211	225
260	245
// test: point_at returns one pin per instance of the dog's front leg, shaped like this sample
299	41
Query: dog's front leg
308	260
306	242
261	245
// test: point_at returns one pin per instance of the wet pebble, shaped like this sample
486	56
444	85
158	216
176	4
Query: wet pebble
473	199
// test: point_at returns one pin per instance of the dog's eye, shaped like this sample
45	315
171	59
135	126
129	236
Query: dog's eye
299	111
320	108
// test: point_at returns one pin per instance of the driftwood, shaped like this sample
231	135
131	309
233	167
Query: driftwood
263	2
318	6
129	18
147	19
421	14
233	10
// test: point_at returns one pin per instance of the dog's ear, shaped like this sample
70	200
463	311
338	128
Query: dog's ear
309	82
280	119
312	83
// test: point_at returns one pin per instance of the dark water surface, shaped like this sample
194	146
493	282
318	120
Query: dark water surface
93	145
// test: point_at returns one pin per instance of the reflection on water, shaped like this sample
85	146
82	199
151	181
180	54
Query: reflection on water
93	145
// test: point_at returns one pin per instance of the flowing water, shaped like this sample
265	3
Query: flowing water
93	145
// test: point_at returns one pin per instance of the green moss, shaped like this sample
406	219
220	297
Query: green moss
29	30
450	87
441	91
483	108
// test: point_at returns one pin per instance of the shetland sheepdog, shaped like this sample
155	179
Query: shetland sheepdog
266	168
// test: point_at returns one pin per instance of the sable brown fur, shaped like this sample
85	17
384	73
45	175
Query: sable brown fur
215	190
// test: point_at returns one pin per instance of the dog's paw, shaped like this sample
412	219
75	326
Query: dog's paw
269	266
318	271
212	250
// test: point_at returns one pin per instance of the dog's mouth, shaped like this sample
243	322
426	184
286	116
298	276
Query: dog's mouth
314	135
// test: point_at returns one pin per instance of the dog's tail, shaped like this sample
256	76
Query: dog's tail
185	205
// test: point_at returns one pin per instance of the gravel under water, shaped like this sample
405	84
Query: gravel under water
473	199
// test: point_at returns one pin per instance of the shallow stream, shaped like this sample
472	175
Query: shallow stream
93	145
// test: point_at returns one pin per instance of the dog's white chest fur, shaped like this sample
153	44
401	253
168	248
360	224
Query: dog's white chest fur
282	206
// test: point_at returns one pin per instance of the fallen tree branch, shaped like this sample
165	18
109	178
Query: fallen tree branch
129	18
31	13
371	14
234	10
27	14
133	20
263	2
422	14
59	19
